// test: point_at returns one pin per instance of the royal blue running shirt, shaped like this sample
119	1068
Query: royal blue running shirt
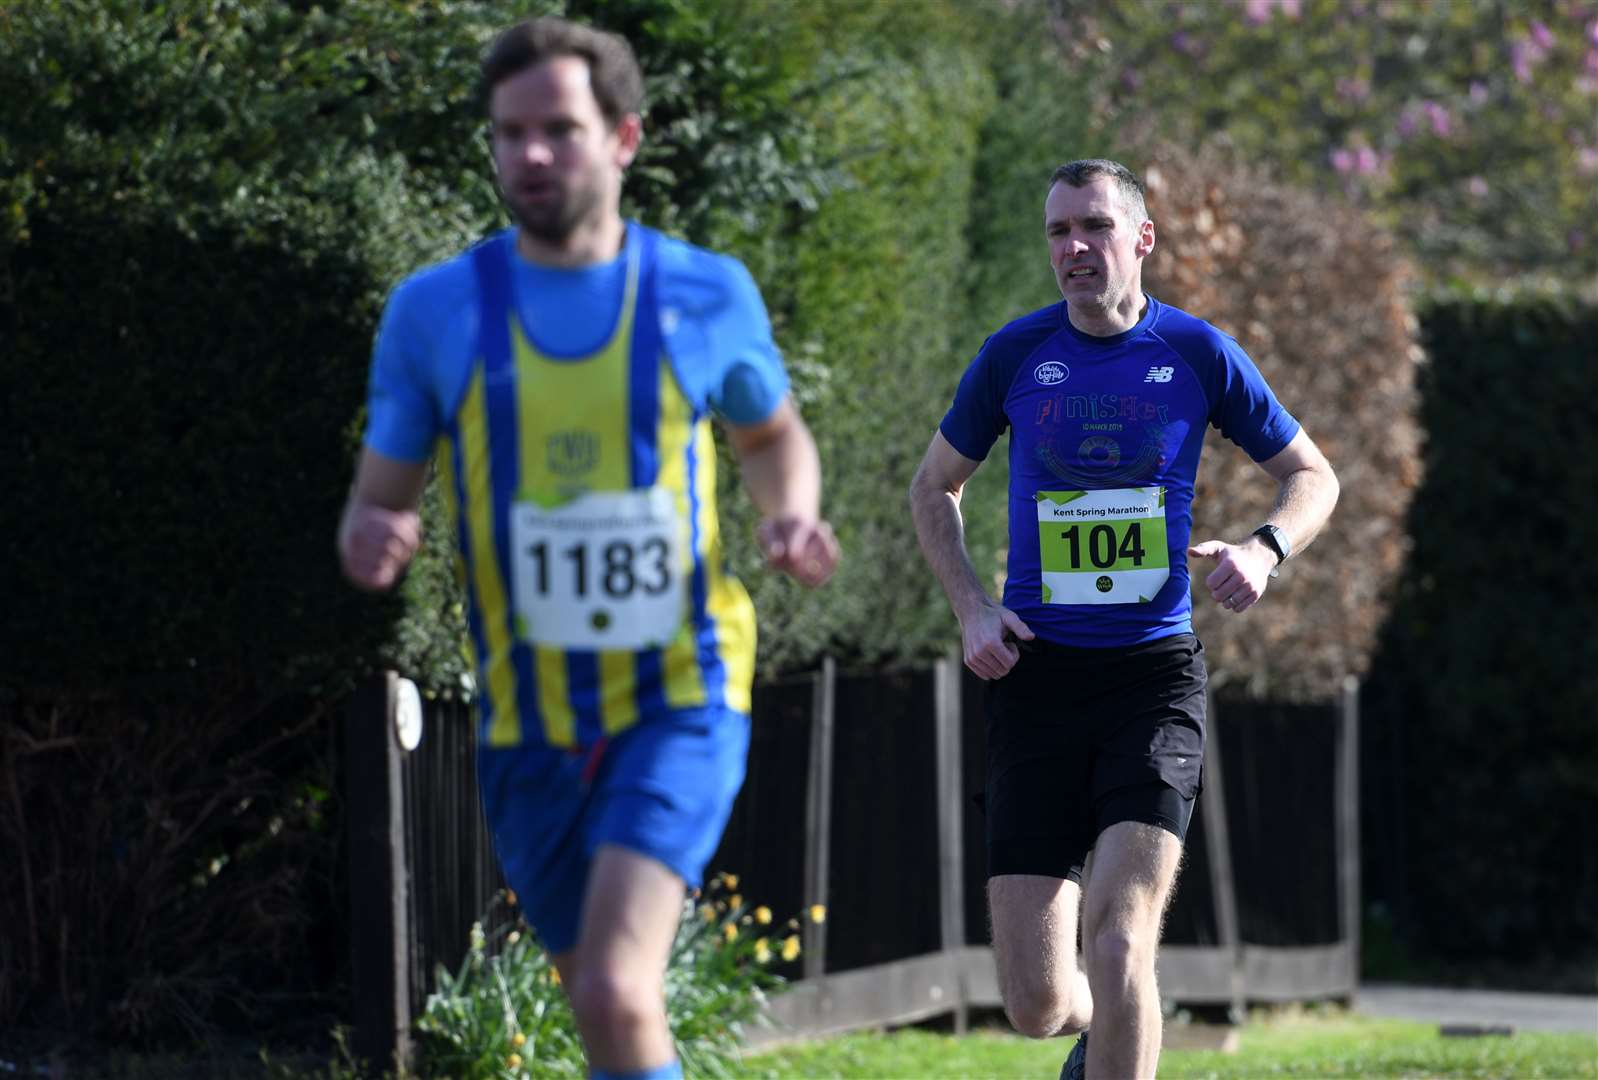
1115	423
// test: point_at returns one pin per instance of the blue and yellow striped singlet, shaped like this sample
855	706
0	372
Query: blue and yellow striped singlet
535	427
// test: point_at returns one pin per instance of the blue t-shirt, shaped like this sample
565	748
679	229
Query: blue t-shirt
713	323
1093	414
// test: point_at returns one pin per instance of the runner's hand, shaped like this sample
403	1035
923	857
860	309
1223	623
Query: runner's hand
376	544
986	637
1242	571
806	550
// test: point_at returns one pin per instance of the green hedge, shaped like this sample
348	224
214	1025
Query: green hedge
1482	734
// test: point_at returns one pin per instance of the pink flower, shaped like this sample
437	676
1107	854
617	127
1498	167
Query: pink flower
1366	161
1522	60
1543	36
1343	160
1440	118
1257	12
1292	8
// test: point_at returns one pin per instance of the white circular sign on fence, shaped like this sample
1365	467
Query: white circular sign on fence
407	713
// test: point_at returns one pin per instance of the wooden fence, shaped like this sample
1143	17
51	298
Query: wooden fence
857	798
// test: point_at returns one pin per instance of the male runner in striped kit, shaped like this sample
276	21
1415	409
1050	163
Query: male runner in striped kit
562	374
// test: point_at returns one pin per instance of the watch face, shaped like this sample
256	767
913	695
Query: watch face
1276	539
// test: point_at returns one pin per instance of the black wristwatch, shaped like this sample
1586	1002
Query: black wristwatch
1277	541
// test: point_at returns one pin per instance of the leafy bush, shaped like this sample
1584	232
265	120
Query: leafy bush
504	1015
1319	298
1467	128
1485	765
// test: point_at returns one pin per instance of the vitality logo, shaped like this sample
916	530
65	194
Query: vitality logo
1159	374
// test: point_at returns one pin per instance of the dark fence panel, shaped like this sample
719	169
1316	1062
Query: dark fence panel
764	844
1281	802
883	879
974	771
883	885
454	875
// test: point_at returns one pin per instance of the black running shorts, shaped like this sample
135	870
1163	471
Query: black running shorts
1080	739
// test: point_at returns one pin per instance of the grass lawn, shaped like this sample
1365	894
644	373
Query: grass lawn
1289	1044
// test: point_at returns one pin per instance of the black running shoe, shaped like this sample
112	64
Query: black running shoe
1076	1062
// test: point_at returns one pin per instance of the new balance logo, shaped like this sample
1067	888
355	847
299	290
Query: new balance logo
1159	374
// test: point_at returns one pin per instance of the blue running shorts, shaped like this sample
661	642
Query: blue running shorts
663	788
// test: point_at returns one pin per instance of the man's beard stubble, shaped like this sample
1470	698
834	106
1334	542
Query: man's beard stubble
555	221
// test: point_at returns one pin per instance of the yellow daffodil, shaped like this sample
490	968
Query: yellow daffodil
514	1061
730	932
707	913
790	947
735	900
818	913
762	952
730	880
763	915
518	1040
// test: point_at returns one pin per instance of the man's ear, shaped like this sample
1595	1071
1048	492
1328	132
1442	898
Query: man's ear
629	135
1145	239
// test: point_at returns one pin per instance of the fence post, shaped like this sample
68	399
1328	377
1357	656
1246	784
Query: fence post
951	840
379	882
1348	853
818	814
1223	887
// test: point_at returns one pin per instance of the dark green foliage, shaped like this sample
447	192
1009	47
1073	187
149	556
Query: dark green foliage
1483	729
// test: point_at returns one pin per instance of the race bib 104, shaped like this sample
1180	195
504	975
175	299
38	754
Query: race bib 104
1102	547
604	571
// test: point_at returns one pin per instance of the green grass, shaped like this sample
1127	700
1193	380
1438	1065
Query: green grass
1291	1044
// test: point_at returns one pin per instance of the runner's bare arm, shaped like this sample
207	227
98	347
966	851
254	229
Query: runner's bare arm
782	472
935	507
380	529
1307	491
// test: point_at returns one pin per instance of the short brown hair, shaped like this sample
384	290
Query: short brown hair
618	83
1127	185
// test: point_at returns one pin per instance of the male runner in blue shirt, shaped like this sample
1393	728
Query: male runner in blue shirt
1096	710
562	374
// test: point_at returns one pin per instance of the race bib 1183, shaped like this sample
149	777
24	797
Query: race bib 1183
1102	547
604	571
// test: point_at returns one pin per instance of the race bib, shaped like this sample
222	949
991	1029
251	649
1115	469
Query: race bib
604	571
1102	547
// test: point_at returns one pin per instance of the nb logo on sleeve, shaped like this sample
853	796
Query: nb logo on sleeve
1159	374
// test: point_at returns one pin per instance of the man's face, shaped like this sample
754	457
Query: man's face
1096	249
557	161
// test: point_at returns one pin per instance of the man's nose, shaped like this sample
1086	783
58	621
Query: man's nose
537	151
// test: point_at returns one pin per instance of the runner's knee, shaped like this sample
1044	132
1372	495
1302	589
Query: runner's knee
1041	1012
614	1004
1118	954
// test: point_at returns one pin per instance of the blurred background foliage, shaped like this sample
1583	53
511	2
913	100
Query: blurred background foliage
204	202
1468	127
